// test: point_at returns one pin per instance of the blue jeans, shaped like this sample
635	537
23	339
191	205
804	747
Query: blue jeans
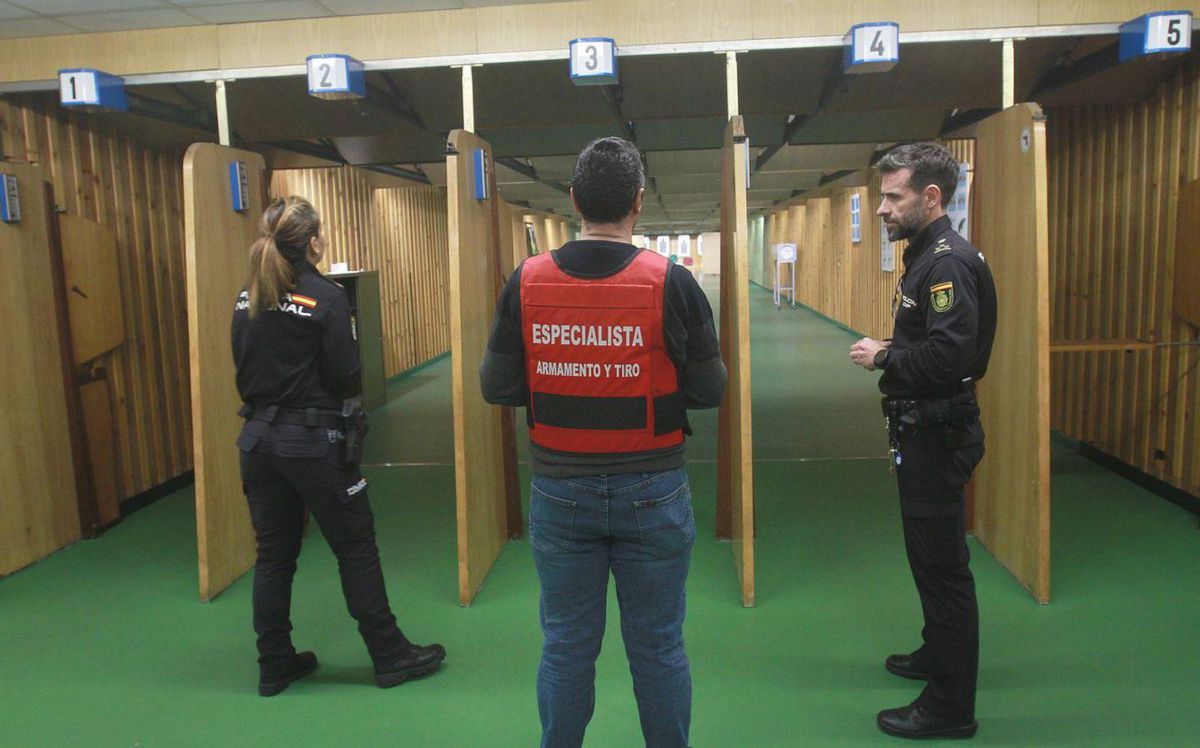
640	527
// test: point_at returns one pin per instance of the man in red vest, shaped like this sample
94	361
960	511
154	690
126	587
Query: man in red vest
606	345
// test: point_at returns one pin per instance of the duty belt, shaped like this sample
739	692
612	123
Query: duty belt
901	413
312	417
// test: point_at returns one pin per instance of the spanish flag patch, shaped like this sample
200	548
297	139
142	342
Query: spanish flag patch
942	296
307	301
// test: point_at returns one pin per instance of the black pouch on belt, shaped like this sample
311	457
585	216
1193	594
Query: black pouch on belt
355	430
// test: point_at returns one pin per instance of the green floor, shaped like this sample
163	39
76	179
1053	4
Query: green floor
105	643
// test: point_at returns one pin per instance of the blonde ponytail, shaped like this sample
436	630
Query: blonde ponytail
285	232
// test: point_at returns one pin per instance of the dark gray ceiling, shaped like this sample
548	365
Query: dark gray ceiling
674	105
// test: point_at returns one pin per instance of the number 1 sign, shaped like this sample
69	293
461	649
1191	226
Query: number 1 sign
871	47
593	61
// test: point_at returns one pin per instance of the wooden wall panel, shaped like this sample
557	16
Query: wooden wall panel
1116	175
482	465
1012	484
137	193
37	484
735	463
217	247
401	232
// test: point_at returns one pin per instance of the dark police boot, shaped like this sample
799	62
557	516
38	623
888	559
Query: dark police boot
412	662
907	666
914	721
273	679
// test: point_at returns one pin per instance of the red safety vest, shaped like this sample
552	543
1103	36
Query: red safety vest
600	379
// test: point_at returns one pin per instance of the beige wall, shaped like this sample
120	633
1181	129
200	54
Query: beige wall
517	28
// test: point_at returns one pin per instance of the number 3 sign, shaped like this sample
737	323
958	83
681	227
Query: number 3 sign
593	61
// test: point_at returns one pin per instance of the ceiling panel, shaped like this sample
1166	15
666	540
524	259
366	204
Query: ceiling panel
684	162
820	158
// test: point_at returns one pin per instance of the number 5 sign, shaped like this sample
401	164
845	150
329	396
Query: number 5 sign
593	61
1156	33
871	47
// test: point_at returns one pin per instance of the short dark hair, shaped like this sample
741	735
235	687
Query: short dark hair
929	163
606	179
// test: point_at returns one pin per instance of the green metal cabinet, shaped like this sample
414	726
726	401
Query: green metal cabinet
363	289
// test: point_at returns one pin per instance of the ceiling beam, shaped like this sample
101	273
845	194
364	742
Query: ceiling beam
1067	70
326	152
833	83
960	118
527	170
614	95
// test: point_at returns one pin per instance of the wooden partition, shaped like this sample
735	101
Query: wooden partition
399	231
136	192
735	455
37	485
217	245
484	453
1119	211
1012	484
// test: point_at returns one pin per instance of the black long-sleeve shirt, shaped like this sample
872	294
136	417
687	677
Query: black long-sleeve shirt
302	353
945	310
688	330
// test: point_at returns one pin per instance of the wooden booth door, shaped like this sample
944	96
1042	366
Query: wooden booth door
485	462
735	455
1012	484
218	240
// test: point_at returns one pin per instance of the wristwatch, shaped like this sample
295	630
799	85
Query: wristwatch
881	358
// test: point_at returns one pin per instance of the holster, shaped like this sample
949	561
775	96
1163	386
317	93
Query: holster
354	430
949	416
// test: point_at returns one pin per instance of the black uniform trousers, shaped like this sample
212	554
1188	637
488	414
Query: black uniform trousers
931	475
286	469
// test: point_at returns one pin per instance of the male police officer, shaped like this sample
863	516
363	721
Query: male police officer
606	345
945	311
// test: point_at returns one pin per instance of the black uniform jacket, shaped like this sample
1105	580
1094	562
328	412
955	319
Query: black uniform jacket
303	352
945	310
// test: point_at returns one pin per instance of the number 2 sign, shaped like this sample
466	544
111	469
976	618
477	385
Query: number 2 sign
336	77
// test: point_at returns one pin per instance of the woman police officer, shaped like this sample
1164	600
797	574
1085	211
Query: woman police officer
297	363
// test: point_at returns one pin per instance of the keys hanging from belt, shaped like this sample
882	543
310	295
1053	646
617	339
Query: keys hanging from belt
894	456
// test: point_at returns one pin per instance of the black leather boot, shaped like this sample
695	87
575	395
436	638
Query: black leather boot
274	678
412	662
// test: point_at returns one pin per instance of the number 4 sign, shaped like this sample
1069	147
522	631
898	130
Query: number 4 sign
593	61
871	47
1156	33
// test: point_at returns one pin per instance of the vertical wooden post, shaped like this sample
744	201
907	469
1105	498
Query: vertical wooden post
222	115
1008	56
731	84
468	95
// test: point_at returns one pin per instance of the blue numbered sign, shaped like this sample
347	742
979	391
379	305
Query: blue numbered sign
85	87
480	169
593	61
10	199
239	186
336	77
1156	33
871	47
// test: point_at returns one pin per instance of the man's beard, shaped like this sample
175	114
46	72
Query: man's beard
907	227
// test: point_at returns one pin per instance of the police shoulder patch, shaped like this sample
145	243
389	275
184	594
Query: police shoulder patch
942	296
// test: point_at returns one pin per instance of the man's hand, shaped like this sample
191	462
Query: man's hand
863	352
